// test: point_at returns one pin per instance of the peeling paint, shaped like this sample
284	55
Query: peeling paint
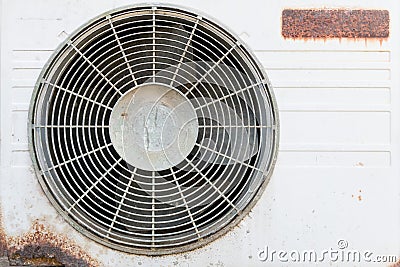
41	247
335	23
3	239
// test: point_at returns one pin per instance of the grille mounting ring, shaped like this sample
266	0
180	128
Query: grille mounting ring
222	102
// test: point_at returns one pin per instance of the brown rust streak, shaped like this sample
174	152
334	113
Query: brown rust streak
397	264
335	23
3	239
41	247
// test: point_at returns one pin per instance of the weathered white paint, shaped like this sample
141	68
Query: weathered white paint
340	118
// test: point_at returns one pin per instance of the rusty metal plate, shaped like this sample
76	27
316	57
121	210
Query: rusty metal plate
335	23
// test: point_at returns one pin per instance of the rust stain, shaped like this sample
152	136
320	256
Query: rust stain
397	264
41	247
335	23
359	197
3	239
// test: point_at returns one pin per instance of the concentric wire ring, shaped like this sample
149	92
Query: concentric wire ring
144	211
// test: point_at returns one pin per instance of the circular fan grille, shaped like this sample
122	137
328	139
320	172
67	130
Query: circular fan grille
153	130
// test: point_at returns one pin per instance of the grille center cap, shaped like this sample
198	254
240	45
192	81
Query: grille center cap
153	127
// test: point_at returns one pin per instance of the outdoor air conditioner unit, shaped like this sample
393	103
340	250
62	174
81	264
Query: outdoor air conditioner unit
150	136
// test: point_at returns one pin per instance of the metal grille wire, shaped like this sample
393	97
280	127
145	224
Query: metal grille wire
135	210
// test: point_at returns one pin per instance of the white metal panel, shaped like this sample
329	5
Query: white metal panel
340	113
292	158
332	98
341	127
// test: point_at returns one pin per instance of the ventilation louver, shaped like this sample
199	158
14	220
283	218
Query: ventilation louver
153	130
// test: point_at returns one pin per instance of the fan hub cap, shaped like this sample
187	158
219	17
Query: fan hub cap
153	127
